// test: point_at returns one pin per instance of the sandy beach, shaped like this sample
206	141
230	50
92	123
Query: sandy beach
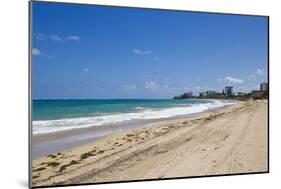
228	141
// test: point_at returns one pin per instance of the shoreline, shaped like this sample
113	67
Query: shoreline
45	144
229	140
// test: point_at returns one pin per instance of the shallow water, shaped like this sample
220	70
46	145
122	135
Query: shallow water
51	116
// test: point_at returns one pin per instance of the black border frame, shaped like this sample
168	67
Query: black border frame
144	180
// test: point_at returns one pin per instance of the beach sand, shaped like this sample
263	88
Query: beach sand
228	141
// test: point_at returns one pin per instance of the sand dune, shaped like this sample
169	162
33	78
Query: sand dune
233	140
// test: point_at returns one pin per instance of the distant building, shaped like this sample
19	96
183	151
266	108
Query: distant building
188	95
264	86
255	92
184	96
209	93
239	94
258	94
202	94
228	90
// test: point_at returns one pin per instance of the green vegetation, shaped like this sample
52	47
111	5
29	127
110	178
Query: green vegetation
255	94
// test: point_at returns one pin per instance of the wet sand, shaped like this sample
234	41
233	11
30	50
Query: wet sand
233	140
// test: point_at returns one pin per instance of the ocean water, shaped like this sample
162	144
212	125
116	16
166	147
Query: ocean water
60	115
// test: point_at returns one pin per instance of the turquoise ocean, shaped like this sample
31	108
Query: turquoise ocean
60	115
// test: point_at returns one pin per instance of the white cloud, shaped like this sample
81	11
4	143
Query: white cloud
129	87
72	38
252	77
169	87
219	80
51	56
234	80
40	36
86	69
150	85
55	37
142	52
157	58
36	52
260	72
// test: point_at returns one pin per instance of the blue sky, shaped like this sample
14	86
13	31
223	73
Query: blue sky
105	52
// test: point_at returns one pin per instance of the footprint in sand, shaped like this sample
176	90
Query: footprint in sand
52	156
226	137
130	135
129	140
214	163
86	155
100	152
63	167
39	169
35	176
53	164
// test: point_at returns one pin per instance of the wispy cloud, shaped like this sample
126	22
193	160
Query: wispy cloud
142	52
51	56
55	37
252	77
234	80
129	87
260	72
150	85
40	36
72	38
36	52
157	59
86	69
170	87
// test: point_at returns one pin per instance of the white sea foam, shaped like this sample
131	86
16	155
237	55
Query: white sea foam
139	108
50	126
